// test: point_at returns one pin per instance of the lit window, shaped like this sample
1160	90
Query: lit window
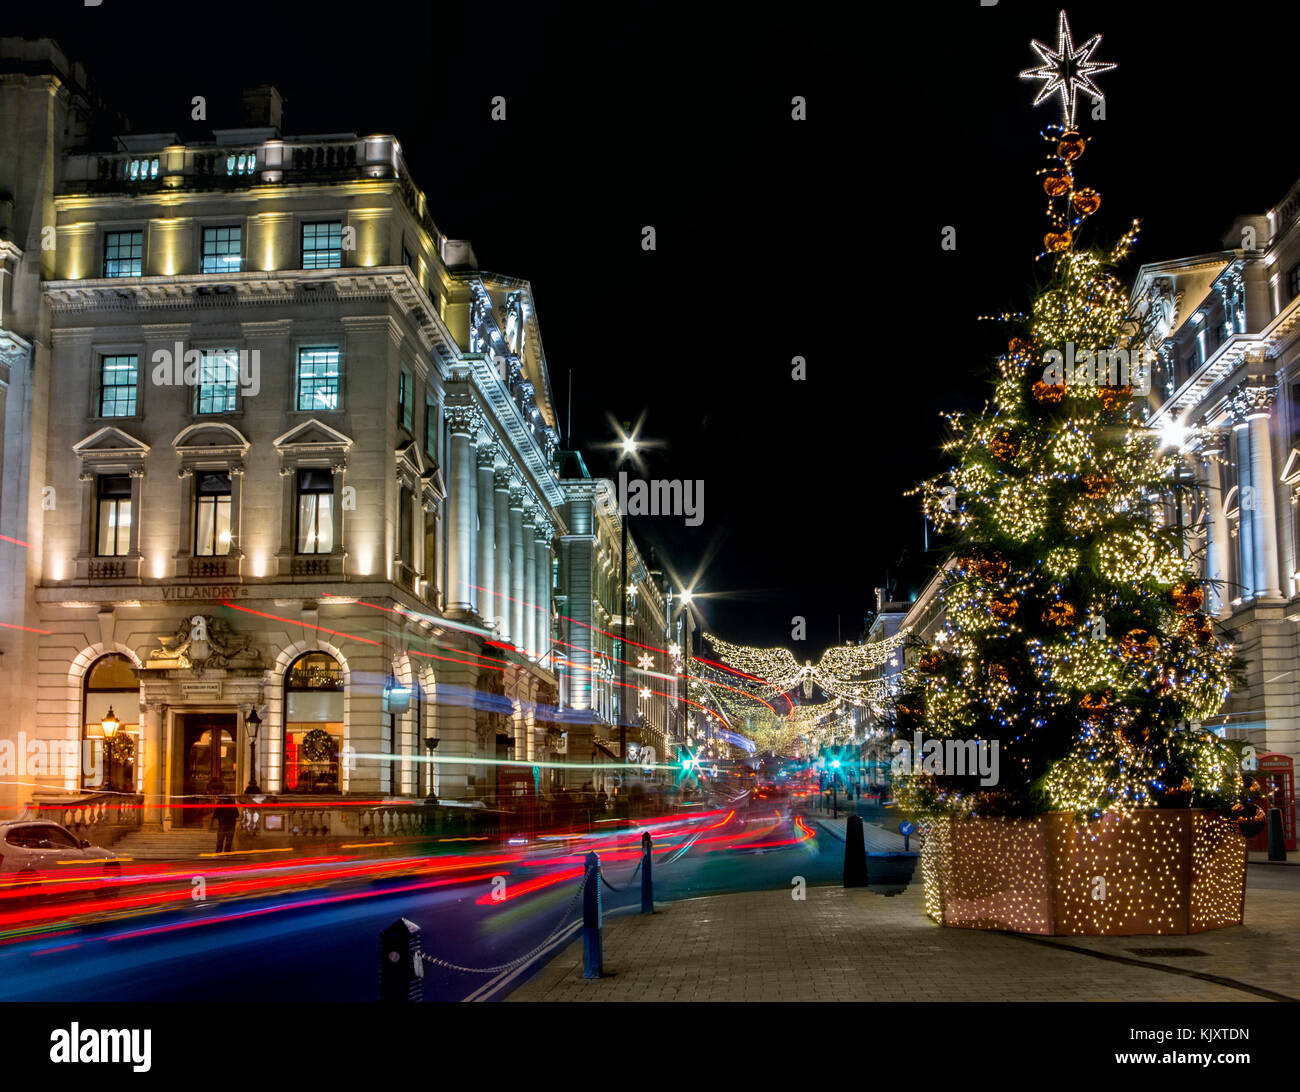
315	511
221	250
123	253
117	385
110	684
218	381
313	724
212	513
114	536
322	245
318	378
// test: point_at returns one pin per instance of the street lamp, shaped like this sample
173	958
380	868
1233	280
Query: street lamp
253	723
110	724
629	449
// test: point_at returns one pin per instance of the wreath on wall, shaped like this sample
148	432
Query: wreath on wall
317	746
120	747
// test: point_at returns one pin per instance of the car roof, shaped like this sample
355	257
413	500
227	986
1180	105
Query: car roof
27	822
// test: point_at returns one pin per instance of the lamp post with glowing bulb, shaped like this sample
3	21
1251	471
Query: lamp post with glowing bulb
253	724
629	449
110	724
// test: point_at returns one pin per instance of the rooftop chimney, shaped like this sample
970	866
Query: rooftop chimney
262	105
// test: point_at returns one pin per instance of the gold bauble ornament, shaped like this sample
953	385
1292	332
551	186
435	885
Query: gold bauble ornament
1049	394
1086	202
1113	398
1018	345
1005	445
1060	614
1187	596
1056	241
1139	644
1004	607
1056	184
930	662
1095	703
993	568
1096	486
1070	146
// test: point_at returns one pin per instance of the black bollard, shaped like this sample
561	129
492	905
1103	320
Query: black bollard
1276	842
647	883
401	962
855	853
593	940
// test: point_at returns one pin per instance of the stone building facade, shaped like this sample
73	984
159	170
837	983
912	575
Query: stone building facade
271	443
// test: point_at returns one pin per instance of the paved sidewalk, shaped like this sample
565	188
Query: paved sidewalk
877	838
853	945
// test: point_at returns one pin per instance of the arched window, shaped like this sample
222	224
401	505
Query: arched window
313	724
110	684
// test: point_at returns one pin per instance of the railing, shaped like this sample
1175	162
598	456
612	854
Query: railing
309	566
107	570
207	566
384	820
274	161
91	813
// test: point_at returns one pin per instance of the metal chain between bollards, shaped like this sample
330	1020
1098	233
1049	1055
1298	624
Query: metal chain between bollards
627	886
521	960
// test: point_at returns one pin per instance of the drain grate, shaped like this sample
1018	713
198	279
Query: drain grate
1173	952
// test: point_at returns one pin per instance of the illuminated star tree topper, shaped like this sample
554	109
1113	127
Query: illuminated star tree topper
1066	70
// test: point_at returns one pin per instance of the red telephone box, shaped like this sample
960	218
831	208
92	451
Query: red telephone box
1276	777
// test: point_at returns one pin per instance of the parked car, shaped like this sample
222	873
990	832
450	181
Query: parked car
36	848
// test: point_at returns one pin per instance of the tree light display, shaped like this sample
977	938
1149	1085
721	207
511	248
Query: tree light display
1074	634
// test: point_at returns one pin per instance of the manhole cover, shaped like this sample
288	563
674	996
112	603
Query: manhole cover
1176	952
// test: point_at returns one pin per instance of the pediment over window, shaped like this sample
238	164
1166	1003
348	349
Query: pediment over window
313	433
110	449
311	443
110	440
421	475
211	438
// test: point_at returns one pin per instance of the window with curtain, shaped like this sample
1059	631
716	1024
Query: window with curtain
315	510
212	513
113	537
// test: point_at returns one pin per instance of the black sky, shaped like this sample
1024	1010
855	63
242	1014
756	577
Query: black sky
775	238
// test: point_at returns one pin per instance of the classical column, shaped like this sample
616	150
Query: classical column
530	581
463	421
518	592
1217	543
155	765
1245	588
487	525
501	538
1261	475
1252	400
542	596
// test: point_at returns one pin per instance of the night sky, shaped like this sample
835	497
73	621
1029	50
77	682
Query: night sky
775	238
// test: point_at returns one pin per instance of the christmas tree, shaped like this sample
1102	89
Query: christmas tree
1075	640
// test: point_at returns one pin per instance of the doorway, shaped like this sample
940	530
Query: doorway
208	747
